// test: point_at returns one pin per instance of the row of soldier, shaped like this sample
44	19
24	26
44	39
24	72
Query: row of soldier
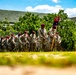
25	42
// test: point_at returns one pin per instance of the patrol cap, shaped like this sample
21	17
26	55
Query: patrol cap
25	31
7	37
12	34
42	24
33	31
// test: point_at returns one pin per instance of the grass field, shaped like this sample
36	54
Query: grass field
51	59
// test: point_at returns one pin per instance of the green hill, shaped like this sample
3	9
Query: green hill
73	18
13	16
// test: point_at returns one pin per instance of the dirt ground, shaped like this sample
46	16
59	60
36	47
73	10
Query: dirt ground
33	70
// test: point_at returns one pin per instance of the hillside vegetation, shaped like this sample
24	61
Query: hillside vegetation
13	16
73	18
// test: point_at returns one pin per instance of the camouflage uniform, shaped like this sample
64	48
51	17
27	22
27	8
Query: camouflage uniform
42	35
18	43
52	33
11	42
24	41
6	44
32	41
57	41
38	45
1	43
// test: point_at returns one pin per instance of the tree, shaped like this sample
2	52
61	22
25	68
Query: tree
29	22
67	29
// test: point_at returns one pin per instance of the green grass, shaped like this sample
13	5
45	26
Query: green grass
51	59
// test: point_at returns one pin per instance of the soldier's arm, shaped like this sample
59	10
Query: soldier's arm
19	39
39	34
13	40
59	39
51	34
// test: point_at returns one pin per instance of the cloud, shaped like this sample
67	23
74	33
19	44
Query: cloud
55	1
44	9
71	12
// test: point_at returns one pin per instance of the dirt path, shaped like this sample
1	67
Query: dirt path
33	70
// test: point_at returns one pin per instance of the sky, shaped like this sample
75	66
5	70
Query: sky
41	6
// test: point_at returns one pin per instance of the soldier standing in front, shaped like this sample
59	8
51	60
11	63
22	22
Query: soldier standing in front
42	34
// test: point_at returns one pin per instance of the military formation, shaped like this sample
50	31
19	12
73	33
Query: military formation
30	42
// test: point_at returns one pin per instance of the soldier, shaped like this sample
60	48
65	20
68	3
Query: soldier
52	32
49	40
42	34
38	45
1	43
6	44
27	39
57	40
33	41
11	41
18	43
24	40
